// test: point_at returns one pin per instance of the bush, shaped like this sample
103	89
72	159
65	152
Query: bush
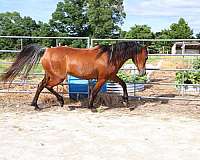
129	78
189	77
196	64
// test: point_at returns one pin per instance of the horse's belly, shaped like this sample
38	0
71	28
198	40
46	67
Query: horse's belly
83	71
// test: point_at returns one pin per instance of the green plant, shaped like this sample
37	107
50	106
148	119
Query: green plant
129	78
196	64
189	77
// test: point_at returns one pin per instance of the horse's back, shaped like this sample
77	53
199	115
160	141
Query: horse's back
83	63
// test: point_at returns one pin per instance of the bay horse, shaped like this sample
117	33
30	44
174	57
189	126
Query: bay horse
101	63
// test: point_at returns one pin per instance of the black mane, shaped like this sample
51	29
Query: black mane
121	49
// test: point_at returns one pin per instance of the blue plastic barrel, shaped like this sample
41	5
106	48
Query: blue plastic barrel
78	88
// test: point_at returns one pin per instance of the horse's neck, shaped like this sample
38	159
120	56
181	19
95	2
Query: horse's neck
120	63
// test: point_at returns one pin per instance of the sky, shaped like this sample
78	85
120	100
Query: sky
158	14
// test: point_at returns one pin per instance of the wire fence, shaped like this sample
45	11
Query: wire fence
162	68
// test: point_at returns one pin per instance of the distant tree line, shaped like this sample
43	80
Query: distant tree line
88	18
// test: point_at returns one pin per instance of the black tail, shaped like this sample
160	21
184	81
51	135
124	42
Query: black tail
25	60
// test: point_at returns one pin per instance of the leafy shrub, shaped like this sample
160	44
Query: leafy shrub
129	78
189	77
196	64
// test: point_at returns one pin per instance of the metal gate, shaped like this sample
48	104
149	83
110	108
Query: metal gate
162	68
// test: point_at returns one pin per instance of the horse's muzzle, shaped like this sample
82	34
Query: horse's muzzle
142	72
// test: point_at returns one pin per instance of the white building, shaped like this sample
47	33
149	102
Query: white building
186	48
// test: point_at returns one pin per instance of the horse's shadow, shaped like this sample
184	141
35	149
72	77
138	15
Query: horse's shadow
113	101
107	102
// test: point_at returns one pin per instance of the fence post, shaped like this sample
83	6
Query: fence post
21	40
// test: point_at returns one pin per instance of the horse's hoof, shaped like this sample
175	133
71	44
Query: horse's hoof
125	104
61	103
37	109
70	108
33	104
132	108
94	110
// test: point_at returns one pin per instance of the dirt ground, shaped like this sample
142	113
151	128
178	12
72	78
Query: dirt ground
146	130
153	130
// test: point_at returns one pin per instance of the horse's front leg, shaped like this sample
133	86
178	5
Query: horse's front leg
94	93
123	84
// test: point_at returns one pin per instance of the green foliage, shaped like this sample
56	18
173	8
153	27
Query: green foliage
44	30
93	18
104	17
128	78
70	18
140	32
12	24
196	64
189	77
180	30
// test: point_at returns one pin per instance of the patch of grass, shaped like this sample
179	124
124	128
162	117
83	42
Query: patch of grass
39	69
153	59
4	66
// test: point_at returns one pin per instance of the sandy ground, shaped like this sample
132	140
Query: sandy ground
154	130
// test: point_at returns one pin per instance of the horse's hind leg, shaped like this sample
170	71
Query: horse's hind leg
54	82
58	96
41	86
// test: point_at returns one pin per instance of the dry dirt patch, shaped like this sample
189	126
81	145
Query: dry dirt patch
154	130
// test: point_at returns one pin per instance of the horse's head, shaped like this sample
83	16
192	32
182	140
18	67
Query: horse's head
140	58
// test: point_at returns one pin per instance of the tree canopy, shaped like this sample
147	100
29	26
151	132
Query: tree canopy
85	18
180	30
140	32
93	18
11	23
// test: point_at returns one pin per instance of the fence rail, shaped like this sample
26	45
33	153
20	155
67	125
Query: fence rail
90	43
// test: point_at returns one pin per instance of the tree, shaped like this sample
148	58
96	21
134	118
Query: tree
105	17
11	23
44	30
70	18
140	32
180	30
162	46
92	18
